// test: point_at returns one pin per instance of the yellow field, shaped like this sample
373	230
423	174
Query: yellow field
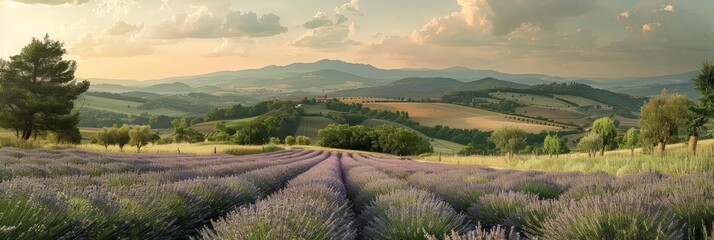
455	116
363	100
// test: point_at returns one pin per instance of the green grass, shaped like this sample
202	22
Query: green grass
234	124
317	109
309	126
677	161
123	107
439	145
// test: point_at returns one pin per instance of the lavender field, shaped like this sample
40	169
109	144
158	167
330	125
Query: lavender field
302	194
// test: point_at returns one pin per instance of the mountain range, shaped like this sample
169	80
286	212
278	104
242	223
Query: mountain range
351	78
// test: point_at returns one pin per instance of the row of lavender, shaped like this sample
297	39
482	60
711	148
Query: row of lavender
564	205
314	205
59	163
163	204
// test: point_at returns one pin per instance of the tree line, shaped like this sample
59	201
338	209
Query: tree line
384	138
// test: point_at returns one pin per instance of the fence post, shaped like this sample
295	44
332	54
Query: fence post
440	155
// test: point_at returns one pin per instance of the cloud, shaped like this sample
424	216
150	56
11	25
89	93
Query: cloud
318	20
115	7
121	28
352	6
203	23
53	2
119	40
325	33
509	15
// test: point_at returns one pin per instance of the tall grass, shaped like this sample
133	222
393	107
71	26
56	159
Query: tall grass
676	161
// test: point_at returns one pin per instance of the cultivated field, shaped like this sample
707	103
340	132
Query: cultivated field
123	107
309	126
235	124
304	194
363	100
455	116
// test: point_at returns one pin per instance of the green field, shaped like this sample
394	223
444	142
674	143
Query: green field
317	109
234	124
439	145
123	107
310	125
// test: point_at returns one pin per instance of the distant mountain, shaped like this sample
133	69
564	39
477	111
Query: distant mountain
169	87
686	88
416	88
331	75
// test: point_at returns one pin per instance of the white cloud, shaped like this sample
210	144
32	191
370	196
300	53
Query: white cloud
121	28
326	33
352	6
115	7
203	23
668	8
53	2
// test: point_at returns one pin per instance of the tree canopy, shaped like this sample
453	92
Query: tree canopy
605	127
663	117
509	139
38	89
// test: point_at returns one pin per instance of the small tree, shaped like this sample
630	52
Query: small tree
509	139
103	137
553	145
662	117
290	140
140	136
274	140
631	140
607	130
591	143
303	140
254	134
120	136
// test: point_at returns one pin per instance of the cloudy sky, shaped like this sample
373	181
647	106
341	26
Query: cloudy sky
149	39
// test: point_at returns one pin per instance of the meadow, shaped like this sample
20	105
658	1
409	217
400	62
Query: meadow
123	107
309	126
456	116
307	194
676	161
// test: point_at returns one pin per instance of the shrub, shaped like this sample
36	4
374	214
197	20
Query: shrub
611	218
290	140
274	140
499	209
303	140
410	214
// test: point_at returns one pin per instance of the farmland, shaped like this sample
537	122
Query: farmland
306	194
455	116
235	124
123	107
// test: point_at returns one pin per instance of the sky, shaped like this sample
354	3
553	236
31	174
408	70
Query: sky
153	39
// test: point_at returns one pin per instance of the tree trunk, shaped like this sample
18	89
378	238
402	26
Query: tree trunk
693	140
661	148
632	153
510	154
602	151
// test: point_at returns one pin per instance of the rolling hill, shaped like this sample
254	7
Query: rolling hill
421	88
686	88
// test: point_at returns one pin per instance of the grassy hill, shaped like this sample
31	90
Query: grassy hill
235	124
457	116
415	88
309	126
124	107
